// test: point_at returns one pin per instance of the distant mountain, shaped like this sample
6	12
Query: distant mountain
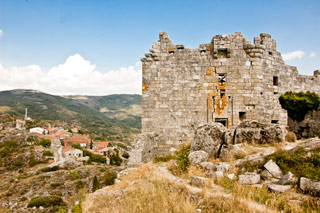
117	117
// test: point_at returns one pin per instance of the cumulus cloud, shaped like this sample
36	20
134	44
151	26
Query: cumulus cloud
76	76
293	55
312	54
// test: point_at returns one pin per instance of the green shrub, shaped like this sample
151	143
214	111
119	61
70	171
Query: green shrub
79	184
300	162
76	209
95	184
181	155
291	137
62	211
126	155
74	175
115	160
47	153
109	177
46	201
76	146
50	169
33	161
121	145
31	139
164	158
45	143
55	185
299	104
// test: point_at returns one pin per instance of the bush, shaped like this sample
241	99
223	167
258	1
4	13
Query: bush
50	169
109	177
45	143
94	157
47	153
33	161
76	209
31	139
55	185
95	184
115	160
126	155
121	145
79	184
181	155
74	175
299	104
46	201
76	146
291	137
300	162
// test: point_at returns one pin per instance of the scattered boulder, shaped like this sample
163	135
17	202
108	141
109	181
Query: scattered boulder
266	175
198	181
289	178
250	131
274	169
309	185
279	188
217	175
223	167
231	176
197	157
209	137
249	178
208	166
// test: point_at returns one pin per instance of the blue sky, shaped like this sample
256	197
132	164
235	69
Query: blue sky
39	36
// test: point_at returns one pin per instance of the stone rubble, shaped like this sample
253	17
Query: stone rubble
273	169
249	178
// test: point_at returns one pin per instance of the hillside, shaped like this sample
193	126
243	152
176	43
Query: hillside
116	117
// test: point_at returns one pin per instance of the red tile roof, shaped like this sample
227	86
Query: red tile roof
101	143
66	149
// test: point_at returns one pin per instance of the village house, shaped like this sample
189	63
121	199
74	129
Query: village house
76	154
83	140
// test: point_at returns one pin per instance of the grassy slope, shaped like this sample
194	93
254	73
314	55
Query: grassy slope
86	113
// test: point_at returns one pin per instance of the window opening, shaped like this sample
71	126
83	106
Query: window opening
275	80
275	121
242	116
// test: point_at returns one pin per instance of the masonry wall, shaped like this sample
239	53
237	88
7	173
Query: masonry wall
226	80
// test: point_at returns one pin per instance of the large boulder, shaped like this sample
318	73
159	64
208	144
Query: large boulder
209	137
254	132
198	157
249	178
309	185
273	169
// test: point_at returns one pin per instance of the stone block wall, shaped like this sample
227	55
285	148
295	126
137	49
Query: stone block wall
227	80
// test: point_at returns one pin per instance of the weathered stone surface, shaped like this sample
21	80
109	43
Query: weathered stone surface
251	131
309	185
231	176
273	168
279	188
198	181
208	138
266	175
289	178
223	167
197	157
208	166
249	178
217	175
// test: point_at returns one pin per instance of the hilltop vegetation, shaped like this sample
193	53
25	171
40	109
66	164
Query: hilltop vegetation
116	117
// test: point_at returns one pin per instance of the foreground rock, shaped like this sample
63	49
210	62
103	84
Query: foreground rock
289	178
279	188
249	178
309	185
209	137
273	169
198	157
259	133
198	181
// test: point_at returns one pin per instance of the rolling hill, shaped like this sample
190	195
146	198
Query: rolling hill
117	117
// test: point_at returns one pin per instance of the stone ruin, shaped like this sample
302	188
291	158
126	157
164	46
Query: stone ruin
227	80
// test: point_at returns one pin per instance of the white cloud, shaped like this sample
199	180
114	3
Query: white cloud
76	76
1	32
312	54
293	55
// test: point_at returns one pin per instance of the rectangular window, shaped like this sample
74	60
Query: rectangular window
242	116
275	121
223	121
275	80
222	78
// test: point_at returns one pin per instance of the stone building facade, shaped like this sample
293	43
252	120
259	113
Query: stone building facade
227	80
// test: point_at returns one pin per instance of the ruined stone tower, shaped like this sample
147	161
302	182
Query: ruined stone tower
227	80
